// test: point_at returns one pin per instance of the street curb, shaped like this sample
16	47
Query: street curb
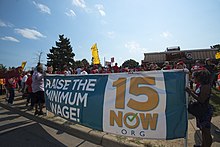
94	136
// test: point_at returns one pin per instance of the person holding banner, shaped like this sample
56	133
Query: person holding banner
202	95
213	70
38	89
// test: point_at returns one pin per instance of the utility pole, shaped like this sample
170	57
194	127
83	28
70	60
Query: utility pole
39	58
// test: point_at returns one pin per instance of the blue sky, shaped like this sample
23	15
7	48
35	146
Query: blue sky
123	29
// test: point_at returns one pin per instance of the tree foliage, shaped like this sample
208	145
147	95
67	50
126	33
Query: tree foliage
130	63
62	55
78	63
3	68
85	63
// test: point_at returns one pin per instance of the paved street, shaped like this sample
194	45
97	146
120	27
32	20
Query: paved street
18	131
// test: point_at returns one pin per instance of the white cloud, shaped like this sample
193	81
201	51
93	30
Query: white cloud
43	8
29	33
100	8
111	35
70	13
103	22
166	34
135	48
79	3
4	24
8	38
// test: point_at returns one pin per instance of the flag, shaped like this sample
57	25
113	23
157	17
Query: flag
107	63
95	54
23	64
112	59
217	55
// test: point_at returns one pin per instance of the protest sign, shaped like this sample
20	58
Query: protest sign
145	104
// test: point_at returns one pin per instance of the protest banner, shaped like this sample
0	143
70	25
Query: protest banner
144	104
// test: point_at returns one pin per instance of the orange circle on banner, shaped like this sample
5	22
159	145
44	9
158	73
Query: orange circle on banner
127	119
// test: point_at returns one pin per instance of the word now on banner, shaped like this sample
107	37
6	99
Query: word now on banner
145	104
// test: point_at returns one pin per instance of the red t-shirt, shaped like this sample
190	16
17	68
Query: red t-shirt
11	83
29	82
116	69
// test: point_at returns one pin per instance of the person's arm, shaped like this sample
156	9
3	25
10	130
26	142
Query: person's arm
204	93
192	93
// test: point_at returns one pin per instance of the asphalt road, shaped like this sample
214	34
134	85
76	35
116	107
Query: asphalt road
18	131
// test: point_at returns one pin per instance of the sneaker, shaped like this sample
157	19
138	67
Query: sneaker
30	108
36	113
217	131
41	113
9	104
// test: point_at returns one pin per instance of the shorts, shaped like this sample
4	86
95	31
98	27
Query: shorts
39	97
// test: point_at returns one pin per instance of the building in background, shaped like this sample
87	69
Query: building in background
173	54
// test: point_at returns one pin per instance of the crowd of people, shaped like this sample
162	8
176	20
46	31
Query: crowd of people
203	75
31	85
95	69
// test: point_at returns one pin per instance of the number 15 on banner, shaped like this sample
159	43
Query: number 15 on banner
138	86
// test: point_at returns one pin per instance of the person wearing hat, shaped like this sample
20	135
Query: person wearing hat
180	65
166	66
213	70
197	67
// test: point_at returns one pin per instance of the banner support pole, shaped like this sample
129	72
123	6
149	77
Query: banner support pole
187	96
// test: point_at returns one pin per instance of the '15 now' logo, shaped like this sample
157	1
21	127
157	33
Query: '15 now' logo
130	119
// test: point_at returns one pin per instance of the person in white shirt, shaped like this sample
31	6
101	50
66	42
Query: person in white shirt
38	89
24	79
78	70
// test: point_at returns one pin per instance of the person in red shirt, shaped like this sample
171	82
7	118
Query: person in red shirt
116	68
11	87
29	89
166	66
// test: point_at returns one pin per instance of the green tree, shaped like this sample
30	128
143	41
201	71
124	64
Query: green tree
85	63
62	55
78	63
2	67
3	70
130	63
